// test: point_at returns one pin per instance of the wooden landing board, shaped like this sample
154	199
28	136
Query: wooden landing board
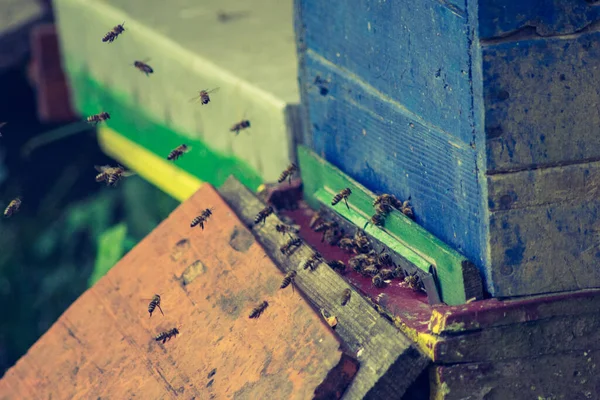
390	362
209	280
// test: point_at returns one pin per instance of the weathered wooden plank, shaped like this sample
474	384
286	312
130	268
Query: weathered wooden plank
565	376
500	18
538	93
493	312
457	283
209	281
398	50
389	361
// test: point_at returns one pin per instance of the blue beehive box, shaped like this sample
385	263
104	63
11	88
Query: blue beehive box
484	112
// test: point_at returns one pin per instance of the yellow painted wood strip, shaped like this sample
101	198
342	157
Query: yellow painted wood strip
156	170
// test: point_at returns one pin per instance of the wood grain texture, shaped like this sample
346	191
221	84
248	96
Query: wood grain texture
389	361
564	376
103	345
318	174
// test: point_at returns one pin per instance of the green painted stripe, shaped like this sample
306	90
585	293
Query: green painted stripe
321	179
202	162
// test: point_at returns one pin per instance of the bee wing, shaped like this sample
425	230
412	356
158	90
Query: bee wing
195	99
127	173
102	168
215	90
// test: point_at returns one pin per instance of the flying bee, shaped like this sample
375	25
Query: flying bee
164	336
112	35
263	214
243	124
203	96
97	118
343	195
291	246
378	281
112	175
378	219
289	278
155	302
346	244
143	67
13	207
346	296
289	229
414	282
337	265
313	261
178	152
258	310
362	244
1	125
287	173
407	209
202	218
370	270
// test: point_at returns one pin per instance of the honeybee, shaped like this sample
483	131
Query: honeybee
143	67
258	310
370	270
346	296
407	209
386	273
291	246
203	96
316	217
378	219
202	218
343	195
362	244
263	214
287	173
164	336
378	281
112	35
330	231
337	265
289	278
399	273
155	302
346	244
1	125
178	152
332	236
414	282
358	262
13	207
385	258
112	175
289	229
243	124
97	118
313	261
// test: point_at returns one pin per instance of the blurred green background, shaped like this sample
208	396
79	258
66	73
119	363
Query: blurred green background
70	230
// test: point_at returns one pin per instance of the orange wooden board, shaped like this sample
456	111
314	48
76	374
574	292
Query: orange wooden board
103	346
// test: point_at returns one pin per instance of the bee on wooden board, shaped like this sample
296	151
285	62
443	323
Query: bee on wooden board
258	310
155	302
342	195
13	207
164	336
313	261
112	35
202	218
407	209
1	125
287	173
178	152
97	118
203	96
378	219
143	67
112	175
263	214
337	265
290	246
346	296
289	278
240	126
289	229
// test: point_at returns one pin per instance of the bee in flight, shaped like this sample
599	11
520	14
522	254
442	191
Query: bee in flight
143	67
289	278
202	218
203	96
164	336
258	310
1	125
291	246
111	175
263	214
155	302
178	152
97	118
13	207
112	35
343	195
243	124
287	173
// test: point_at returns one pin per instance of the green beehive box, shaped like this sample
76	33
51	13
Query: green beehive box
245	50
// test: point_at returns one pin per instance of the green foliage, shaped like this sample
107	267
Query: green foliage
111	247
